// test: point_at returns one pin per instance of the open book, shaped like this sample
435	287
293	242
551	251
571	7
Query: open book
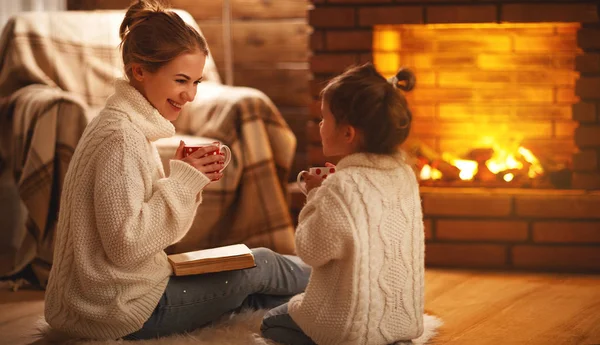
228	258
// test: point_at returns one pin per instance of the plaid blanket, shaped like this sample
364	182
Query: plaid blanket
57	69
39	135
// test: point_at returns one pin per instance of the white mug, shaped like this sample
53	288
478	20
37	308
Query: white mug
323	172
188	149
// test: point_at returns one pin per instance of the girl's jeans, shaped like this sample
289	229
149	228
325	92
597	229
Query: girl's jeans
279	326
191	302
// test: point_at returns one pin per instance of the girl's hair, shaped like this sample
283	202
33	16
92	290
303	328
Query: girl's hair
364	99
153	36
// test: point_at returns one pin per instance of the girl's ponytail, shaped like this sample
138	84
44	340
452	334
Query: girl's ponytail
404	79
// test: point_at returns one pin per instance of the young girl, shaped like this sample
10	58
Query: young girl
362	229
111	277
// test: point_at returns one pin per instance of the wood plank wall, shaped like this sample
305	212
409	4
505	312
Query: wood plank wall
270	50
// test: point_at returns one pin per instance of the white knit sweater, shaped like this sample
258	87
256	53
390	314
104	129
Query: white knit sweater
118	213
362	233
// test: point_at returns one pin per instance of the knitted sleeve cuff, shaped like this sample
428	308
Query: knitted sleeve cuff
188	175
295	303
311	194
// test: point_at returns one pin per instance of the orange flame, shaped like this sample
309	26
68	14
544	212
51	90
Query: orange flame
429	173
502	160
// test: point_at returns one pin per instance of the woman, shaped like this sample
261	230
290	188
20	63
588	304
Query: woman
111	277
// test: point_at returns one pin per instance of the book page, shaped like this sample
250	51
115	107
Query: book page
212	253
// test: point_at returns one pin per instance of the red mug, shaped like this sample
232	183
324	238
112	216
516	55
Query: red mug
322	172
189	149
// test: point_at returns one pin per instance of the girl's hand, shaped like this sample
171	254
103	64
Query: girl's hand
209	165
312	181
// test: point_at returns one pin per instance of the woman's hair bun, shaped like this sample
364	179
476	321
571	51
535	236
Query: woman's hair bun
404	79
150	5
138	12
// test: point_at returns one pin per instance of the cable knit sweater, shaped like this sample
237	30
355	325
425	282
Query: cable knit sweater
118	213
362	233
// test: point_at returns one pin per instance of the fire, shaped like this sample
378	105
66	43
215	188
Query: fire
536	167
429	173
502	162
468	168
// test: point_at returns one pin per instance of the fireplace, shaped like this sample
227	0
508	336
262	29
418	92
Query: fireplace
506	131
493	106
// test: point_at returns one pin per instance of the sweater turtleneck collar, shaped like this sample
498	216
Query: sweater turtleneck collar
372	160
140	112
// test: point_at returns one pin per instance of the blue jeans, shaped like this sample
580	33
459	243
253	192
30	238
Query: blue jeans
191	302
279	326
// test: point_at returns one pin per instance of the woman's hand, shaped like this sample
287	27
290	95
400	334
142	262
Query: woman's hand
201	160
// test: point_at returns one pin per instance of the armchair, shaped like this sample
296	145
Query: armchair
56	71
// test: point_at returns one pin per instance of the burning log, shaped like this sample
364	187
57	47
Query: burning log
484	174
449	171
489	167
480	155
512	175
427	155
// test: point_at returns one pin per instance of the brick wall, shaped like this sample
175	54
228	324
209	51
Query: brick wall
512	229
509	229
587	136
479	84
547	81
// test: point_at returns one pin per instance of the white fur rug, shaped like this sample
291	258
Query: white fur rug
239	329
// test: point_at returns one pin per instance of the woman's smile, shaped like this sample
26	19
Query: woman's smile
176	106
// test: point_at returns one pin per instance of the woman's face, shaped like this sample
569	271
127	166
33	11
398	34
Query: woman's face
170	87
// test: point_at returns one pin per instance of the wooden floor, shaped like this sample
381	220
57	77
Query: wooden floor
477	308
